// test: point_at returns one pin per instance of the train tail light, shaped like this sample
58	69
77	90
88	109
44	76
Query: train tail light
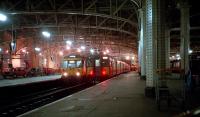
103	72
91	72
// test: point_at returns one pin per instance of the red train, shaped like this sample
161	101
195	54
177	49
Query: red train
92	68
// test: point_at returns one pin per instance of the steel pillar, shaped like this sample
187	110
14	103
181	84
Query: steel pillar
142	44
185	36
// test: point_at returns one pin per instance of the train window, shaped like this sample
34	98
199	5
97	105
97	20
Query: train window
97	63
105	62
71	64
64	65
78	63
89	63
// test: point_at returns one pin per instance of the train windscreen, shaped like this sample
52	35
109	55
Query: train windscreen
72	64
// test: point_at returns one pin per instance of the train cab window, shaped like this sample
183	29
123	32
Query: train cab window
71	64
78	63
105	62
64	65
97	62
89	63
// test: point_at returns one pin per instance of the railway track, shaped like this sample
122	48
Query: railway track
32	101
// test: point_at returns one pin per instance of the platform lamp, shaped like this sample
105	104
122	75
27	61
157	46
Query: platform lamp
3	17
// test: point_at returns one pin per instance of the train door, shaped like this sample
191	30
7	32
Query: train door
97	69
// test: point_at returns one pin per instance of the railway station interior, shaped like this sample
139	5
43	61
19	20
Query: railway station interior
99	58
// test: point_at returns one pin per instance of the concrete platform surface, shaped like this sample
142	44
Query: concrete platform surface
22	81
122	96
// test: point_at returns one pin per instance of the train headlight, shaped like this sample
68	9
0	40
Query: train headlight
65	74
77	74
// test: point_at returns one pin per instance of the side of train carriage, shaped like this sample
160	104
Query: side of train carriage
79	68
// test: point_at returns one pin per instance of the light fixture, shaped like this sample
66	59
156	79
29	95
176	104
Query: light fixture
23	50
61	53
91	51
69	42
107	51
40	54
46	34
190	51
7	51
127	57
81	38
3	17
37	49
177	55
133	58
0	49
78	50
83	47
68	47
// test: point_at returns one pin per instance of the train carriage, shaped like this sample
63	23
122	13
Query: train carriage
74	68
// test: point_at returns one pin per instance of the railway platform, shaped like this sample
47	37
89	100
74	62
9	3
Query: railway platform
121	96
27	80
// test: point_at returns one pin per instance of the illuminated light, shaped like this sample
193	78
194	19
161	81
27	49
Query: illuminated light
78	50
83	47
71	61
103	72
65	74
72	56
7	51
27	52
177	55
107	51
127	57
24	51
104	53
61	53
69	42
37	49
45	60
91	50
3	17
12	44
77	74
40	54
16	62
68	47
118	61
0	49
105	57
178	58
91	72
81	38
133	58
46	34
190	51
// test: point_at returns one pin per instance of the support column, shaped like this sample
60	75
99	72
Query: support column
142	45
167	47
150	37
185	36
155	43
